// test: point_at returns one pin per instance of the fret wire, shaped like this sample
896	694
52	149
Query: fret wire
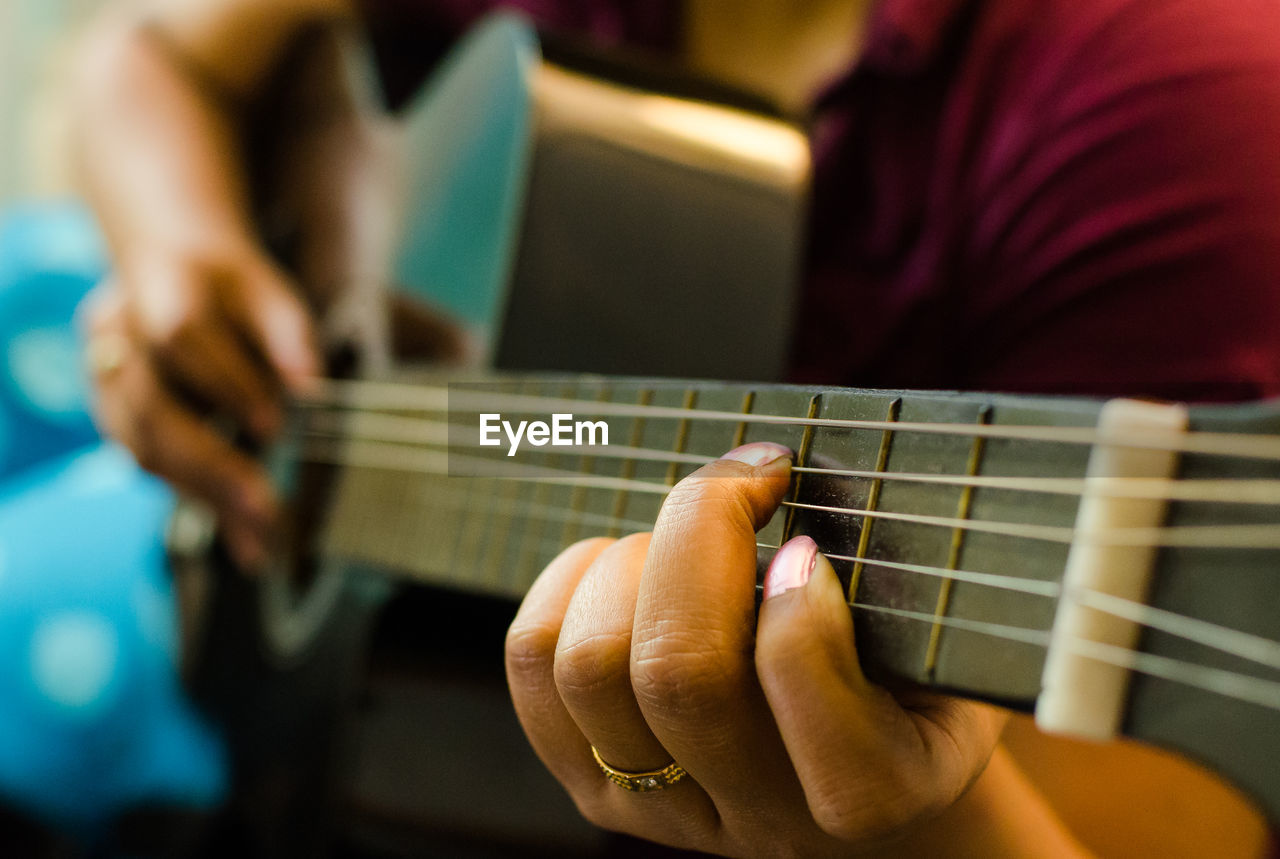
1033	587
957	546
471	536
1237	685
1246	646
1179	536
1037	637
1235	445
578	497
740	433
628	463
551	514
429	575
497	548
1187	536
1227	490
873	497
541	491
682	437
1258	491
1231	684
802	459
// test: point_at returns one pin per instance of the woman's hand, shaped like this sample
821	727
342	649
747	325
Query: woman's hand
198	321
178	340
649	649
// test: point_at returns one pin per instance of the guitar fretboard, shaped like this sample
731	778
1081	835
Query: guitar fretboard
953	585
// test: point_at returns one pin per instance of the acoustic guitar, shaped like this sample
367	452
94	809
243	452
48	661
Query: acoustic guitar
1110	566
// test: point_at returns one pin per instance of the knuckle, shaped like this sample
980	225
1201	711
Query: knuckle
172	334
673	673
696	497
529	650
591	664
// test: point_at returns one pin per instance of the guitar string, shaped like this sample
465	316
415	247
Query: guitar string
1233	684
405	397
399	456
1244	645
425	432
1234	642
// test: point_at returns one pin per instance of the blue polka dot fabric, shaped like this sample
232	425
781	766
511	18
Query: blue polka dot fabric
50	257
93	719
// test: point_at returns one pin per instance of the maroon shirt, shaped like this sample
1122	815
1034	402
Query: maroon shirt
1028	195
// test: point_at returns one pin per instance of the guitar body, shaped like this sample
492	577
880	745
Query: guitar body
588	223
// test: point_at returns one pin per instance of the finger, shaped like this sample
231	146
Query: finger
135	407
691	667
211	363
530	661
593	659
599	612
278	324
866	765
419	332
175	317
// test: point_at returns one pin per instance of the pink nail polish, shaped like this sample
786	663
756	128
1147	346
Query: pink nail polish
791	567
758	453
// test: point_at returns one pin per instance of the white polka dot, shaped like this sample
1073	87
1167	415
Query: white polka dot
71	247
100	471
73	657
45	364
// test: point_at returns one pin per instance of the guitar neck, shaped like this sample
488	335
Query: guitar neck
949	517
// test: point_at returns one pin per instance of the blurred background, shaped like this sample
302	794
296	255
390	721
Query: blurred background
36	38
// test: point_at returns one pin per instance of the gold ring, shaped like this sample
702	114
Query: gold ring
640	782
106	353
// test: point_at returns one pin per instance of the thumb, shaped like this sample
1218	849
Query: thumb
844	735
805	633
279	324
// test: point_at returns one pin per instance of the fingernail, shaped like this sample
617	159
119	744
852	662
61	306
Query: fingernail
758	453
791	567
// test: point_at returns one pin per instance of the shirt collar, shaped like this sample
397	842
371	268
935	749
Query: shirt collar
904	36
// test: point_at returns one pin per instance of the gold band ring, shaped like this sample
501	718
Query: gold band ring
105	353
643	781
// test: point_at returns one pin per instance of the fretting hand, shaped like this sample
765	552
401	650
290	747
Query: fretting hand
648	648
